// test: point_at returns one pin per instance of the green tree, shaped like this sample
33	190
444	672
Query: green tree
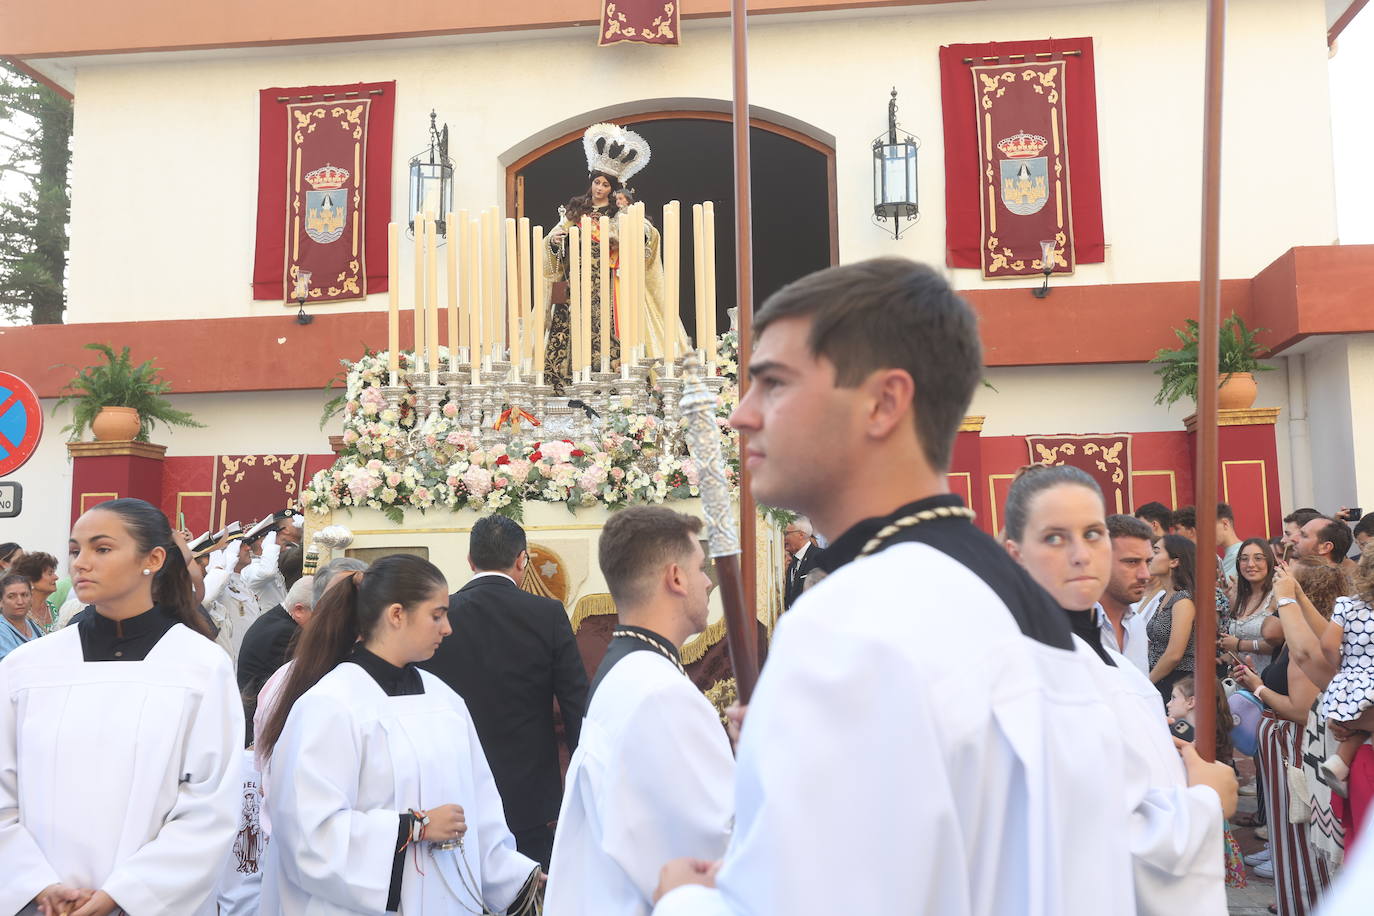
35	135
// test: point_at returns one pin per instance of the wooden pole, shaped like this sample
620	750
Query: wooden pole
743	634
1209	321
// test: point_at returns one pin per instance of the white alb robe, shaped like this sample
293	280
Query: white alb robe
1176	831
910	750
240	883
350	761
652	779
130	772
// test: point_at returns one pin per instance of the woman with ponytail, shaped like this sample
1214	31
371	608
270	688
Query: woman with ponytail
127	728
382	800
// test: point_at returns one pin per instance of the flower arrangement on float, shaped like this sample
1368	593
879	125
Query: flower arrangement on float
394	459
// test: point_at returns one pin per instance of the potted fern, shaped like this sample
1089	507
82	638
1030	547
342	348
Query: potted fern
119	401
1238	360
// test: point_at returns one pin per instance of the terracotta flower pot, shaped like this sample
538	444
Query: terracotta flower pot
1237	392
115	424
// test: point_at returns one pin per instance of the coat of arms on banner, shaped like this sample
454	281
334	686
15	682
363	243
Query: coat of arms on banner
326	207
1025	175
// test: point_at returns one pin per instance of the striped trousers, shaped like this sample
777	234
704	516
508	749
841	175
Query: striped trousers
1300	876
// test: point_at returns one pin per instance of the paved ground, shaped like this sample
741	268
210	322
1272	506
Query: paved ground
1255	897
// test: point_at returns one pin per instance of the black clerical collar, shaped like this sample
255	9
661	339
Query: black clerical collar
128	640
847	547
395	681
1084	626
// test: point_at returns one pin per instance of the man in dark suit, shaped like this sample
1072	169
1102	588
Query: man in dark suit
510	655
267	645
802	556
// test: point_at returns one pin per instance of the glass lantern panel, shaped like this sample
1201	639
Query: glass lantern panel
878	197
895	168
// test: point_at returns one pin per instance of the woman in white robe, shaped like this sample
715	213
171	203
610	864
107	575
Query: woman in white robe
381	798
127	727
1056	528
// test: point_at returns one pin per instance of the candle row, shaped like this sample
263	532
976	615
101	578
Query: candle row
492	283
495	281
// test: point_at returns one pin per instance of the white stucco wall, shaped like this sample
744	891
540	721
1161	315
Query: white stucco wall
164	173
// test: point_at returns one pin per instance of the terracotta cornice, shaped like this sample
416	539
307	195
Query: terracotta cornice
127	447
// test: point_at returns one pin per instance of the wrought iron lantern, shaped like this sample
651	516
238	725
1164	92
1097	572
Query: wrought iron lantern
894	175
431	179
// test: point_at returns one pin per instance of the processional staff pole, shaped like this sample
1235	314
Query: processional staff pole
1209	320
743	630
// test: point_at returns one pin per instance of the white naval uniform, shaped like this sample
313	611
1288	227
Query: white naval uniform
350	761
652	779
263	578
1176	831
130	772
910	749
228	599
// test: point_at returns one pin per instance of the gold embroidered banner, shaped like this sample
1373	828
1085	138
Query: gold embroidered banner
650	22
1024	159
1107	459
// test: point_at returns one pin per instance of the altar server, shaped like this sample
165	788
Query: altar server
1057	529
652	776
380	797
925	737
127	730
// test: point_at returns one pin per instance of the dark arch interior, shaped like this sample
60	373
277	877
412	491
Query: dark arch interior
693	161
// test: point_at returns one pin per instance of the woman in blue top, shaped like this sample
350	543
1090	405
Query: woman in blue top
16	600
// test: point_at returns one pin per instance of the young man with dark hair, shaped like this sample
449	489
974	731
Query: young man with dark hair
1123	626
1364	530
1227	539
885	765
1158	516
653	776
1184	522
511	654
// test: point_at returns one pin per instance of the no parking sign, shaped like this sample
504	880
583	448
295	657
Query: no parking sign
21	422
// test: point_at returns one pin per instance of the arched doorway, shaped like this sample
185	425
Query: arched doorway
794	198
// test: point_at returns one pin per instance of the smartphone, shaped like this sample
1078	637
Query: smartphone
1182	730
181	521
1235	659
1354	514
1286	548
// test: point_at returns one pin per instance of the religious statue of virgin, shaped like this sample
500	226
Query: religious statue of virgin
614	154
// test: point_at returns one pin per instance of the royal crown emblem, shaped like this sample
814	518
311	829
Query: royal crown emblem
1025	175
1018	146
328	178
326	207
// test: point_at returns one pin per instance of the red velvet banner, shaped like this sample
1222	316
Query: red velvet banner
968	157
1107	459
650	22
324	166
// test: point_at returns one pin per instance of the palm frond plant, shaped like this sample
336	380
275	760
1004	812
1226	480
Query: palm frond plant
117	382
1239	351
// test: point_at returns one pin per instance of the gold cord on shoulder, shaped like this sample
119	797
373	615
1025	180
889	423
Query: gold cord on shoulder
916	518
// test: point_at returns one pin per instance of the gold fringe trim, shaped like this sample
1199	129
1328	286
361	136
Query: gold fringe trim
695	649
593	605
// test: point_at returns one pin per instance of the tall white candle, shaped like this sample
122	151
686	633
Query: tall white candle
699	278
419	292
574	299
432	299
393	312
709	217
604	288
472	282
526	320
464	266
672	227
586	362
537	294
451	260
512	297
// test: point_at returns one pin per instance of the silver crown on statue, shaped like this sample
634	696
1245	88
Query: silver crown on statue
615	151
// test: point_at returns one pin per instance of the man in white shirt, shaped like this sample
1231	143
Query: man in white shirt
652	775
1123	627
882	768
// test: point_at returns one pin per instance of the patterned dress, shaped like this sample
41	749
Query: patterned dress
1351	691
